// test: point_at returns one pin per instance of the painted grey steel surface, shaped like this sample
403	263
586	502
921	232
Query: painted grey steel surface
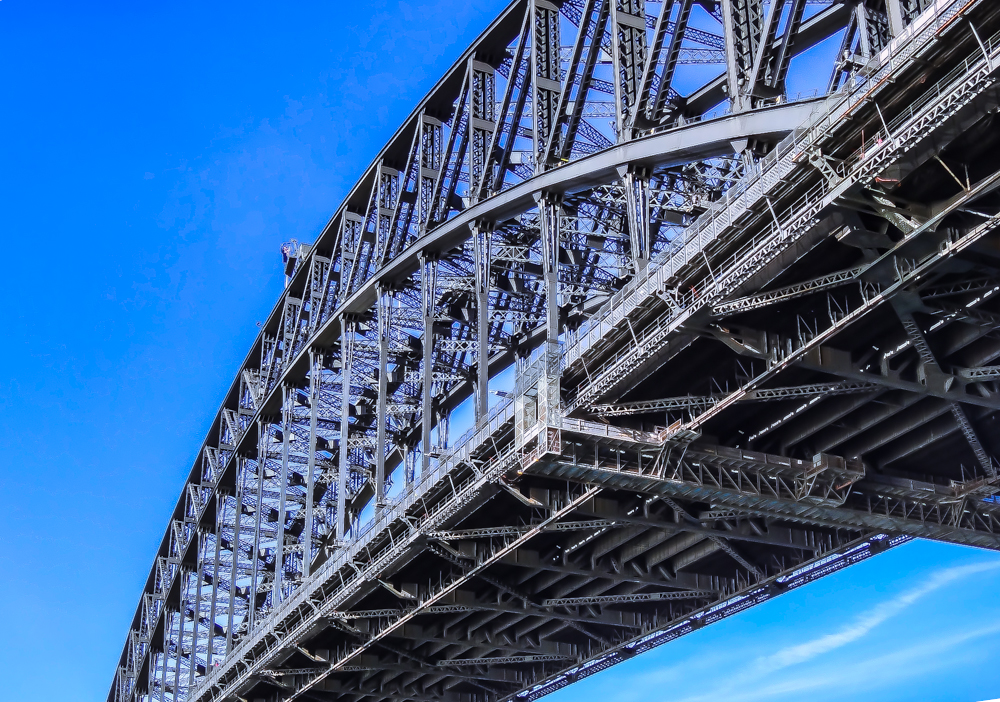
583	363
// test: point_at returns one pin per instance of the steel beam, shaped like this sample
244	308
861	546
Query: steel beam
875	510
385	303
428	294
315	384
483	261
691	402
603	600
347	341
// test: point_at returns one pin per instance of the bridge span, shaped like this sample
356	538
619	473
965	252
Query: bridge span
616	337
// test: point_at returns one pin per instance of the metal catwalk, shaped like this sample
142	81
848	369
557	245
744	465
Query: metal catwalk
617	336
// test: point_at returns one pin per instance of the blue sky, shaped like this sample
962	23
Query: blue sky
921	622
154	158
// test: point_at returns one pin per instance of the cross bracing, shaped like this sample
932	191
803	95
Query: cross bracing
715	341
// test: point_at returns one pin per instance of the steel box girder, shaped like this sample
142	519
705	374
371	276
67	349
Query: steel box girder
755	504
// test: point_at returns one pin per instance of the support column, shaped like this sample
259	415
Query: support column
545	81
442	427
431	154
287	400
258	515
636	181
628	49
428	287
182	573
894	10
167	630
652	109
482	123
196	619
548	385
351	230
409	464
220	505
388	193
234	547
347	327
384	328
315	382
482	236
732	60
742	22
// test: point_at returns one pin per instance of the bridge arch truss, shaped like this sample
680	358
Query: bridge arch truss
614	338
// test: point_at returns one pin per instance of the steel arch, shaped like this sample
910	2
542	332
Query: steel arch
504	229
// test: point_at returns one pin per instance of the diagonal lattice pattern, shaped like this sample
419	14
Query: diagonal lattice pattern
616	337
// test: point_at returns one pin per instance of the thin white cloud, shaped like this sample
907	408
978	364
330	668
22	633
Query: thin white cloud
875	616
868	674
809	669
751	682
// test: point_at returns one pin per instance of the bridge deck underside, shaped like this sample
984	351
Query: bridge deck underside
616	568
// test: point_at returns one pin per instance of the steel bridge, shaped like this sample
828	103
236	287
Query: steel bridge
615	337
